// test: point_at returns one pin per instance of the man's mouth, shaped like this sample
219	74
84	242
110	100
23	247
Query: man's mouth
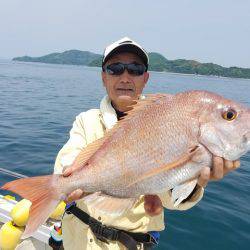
125	91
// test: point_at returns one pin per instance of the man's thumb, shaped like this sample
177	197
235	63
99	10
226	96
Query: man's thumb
66	172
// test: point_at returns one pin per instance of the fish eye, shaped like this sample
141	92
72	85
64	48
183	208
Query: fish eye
229	114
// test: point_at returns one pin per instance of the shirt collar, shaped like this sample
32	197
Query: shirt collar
109	116
108	112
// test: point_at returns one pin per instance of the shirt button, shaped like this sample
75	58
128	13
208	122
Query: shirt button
99	218
91	240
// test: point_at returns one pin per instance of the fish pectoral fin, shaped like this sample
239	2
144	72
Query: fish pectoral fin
181	192
109	205
182	160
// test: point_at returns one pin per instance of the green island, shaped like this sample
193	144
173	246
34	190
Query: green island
157	62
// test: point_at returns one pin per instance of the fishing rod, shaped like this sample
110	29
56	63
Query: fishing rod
12	173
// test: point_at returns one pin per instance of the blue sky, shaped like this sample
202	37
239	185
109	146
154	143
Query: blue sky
208	31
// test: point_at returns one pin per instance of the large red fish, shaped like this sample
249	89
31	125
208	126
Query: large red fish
162	144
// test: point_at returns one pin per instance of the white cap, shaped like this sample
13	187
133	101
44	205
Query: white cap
125	45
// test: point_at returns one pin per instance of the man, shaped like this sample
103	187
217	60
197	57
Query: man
124	76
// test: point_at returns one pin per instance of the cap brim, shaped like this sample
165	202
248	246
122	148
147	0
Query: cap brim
128	48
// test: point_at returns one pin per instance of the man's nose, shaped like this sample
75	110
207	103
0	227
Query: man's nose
125	76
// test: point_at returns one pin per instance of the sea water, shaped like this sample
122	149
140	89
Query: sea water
38	104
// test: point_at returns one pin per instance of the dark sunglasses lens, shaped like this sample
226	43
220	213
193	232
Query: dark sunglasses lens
115	69
136	69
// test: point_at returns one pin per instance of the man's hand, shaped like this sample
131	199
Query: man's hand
76	194
219	169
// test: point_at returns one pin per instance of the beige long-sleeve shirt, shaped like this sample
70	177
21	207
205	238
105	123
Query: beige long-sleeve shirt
88	127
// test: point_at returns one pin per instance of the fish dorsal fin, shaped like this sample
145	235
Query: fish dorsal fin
109	205
186	157
140	105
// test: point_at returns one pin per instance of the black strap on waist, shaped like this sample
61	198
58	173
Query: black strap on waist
105	233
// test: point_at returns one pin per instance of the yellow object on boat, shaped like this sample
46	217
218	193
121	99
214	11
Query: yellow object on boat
58	212
9	197
10	236
20	212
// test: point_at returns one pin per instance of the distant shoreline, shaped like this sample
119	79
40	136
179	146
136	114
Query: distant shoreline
97	67
157	63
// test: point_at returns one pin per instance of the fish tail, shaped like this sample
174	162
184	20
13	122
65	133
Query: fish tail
41	193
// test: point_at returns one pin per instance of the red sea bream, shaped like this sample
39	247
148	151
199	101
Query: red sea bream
162	144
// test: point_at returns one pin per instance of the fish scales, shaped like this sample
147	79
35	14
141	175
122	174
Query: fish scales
159	139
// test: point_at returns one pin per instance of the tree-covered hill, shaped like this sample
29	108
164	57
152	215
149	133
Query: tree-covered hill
157	62
74	57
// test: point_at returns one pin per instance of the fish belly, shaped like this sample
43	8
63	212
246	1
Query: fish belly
174	177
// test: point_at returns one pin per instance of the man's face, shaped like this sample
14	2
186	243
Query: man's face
125	88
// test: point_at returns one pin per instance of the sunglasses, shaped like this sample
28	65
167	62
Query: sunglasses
117	69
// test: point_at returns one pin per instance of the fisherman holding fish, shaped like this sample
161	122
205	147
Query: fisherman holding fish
124	76
125	162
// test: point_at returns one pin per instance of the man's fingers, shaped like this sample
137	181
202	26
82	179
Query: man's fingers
228	165
218	168
75	195
204	177
67	172
236	164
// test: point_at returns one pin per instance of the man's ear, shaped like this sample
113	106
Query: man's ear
104	79
146	77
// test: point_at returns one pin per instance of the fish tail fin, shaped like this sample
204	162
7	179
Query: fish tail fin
41	193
